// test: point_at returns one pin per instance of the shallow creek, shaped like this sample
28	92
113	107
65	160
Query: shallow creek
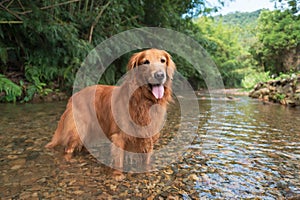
241	149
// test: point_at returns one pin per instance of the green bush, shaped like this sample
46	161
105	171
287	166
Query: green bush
9	91
46	41
251	79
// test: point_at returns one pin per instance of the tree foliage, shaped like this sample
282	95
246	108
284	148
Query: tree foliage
278	46
291	5
44	42
278	32
240	19
223	44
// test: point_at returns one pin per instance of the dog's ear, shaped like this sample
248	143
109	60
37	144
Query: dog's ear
171	67
133	61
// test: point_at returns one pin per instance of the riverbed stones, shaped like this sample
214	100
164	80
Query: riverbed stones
284	91
17	164
219	164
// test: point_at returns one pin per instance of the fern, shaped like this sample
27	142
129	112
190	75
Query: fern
10	90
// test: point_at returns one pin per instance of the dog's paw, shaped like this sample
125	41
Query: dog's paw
118	176
68	157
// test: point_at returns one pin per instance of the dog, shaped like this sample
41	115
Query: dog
130	115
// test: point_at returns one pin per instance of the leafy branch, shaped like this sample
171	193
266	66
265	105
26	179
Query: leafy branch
96	21
17	14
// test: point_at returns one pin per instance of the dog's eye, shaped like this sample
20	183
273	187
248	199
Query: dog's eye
146	62
162	60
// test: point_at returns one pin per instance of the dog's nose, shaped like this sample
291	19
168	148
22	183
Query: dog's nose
159	75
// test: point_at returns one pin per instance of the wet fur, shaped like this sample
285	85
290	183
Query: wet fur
140	102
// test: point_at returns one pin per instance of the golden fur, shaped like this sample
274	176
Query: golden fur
145	110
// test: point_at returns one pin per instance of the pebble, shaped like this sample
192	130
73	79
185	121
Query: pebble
78	192
194	177
28	171
113	187
17	164
15	167
12	157
25	195
168	171
35	194
42	180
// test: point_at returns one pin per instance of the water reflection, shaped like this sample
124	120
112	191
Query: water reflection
243	149
254	149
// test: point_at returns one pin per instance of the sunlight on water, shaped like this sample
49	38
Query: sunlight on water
243	149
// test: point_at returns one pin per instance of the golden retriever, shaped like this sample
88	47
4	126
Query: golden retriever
130	115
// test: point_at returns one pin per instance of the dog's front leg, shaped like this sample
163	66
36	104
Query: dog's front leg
117	153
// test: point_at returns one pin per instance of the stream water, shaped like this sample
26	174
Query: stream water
242	149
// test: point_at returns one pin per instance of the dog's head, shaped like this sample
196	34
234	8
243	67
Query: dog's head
154	69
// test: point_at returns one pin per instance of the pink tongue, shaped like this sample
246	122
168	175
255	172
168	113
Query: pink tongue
158	91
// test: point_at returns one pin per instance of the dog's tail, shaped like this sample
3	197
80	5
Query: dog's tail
56	139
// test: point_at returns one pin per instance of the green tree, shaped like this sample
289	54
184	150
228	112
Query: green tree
278	46
226	50
44	42
292	5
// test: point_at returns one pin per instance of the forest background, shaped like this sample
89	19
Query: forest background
43	43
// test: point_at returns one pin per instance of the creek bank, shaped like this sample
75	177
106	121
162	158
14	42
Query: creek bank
227	92
284	91
51	97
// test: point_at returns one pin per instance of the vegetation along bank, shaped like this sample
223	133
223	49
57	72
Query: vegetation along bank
43	43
